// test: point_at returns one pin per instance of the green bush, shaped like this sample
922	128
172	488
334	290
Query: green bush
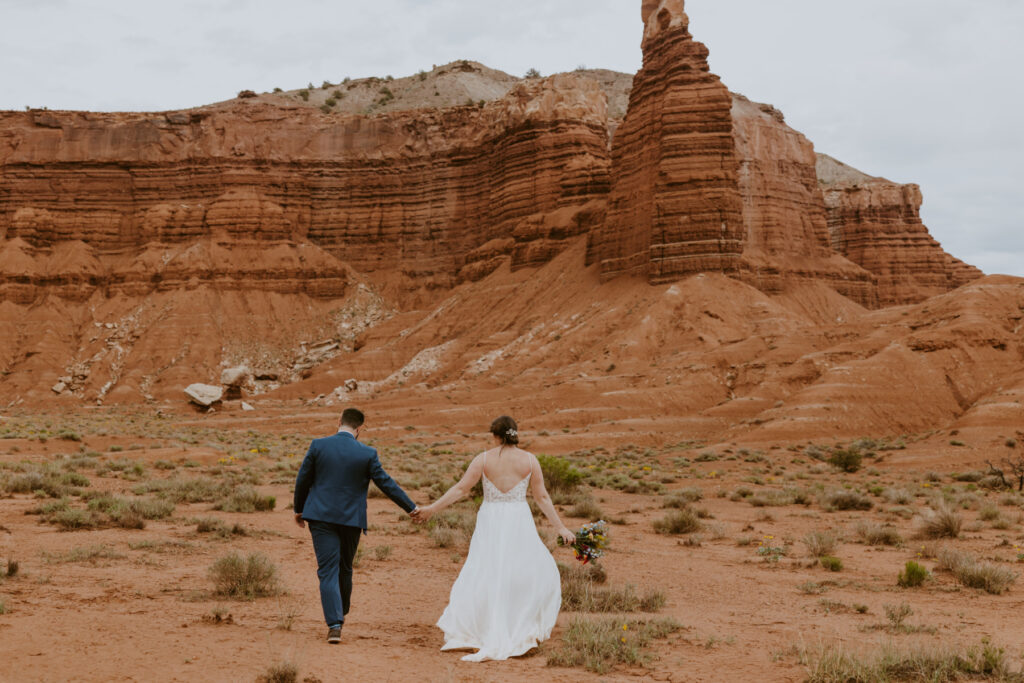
913	575
831	563
559	473
847	460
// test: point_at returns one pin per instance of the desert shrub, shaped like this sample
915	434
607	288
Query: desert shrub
73	519
876	534
913	575
586	507
683	497
935	663
197	490
446	537
52	483
771	498
847	460
382	552
249	577
831	563
897	614
246	499
131	514
942	521
986	576
460	518
820	543
12	568
89	554
897	496
559	473
842	499
678	522
599	645
989	513
581	592
283	672
973	477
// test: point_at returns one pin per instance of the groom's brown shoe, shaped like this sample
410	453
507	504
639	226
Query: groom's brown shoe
334	635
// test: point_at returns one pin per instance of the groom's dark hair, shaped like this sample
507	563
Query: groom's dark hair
351	417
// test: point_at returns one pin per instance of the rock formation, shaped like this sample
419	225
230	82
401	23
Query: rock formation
877	224
674	206
320	245
405	197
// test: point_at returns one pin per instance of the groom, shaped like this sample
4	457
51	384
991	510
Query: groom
330	495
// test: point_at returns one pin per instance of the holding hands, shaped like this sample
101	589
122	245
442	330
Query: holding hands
421	514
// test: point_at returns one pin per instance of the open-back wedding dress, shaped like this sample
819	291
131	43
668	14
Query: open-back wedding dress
508	594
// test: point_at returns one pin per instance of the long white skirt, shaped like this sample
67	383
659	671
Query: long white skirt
508	594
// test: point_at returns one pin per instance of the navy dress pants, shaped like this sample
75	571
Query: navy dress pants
335	547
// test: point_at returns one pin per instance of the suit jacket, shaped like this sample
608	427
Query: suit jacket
333	479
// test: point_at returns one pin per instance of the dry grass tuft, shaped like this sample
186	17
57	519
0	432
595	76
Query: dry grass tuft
835	664
986	576
249	577
599	645
246	499
843	499
678	522
876	534
283	672
821	543
580	593
941	521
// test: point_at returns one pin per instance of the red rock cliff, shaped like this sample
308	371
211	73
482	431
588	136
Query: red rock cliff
877	224
405	198
674	206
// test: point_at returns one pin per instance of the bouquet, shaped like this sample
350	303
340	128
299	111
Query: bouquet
591	540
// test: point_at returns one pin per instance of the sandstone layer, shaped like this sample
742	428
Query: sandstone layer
877	224
674	208
405	198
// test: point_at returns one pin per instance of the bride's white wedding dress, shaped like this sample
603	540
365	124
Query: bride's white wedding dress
508	594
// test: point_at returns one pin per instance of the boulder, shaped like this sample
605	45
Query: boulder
236	376
204	394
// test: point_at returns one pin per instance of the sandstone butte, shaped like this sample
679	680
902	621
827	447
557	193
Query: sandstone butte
687	255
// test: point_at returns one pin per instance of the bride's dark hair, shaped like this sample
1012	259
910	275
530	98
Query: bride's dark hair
505	429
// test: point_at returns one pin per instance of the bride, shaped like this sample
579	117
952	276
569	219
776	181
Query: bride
508	594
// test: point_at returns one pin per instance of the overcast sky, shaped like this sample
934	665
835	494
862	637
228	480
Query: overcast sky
925	91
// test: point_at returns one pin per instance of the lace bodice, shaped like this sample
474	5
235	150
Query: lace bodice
516	494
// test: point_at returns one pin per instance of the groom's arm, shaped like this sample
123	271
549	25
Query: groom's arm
304	481
386	484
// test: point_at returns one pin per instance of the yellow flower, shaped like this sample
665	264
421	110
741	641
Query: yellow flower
254	450
625	627
647	468
623	638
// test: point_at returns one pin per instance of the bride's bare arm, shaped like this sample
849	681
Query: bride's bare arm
540	494
456	493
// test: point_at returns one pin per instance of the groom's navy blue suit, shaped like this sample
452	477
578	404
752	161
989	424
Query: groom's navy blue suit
330	494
